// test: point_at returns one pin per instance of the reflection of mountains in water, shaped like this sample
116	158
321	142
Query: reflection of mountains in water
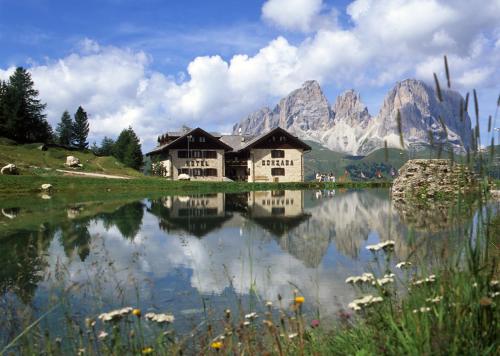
346	219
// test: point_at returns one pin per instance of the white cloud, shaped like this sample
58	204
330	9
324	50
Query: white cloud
292	14
386	41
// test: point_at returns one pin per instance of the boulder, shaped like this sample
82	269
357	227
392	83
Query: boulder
10	169
184	176
72	161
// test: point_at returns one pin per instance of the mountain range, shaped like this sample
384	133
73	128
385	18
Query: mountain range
348	127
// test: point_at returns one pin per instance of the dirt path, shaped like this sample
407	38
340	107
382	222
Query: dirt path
87	174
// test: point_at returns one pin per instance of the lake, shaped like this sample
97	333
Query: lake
194	256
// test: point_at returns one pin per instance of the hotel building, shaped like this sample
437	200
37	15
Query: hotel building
275	156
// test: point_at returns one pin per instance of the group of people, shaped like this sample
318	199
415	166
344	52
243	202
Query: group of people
325	177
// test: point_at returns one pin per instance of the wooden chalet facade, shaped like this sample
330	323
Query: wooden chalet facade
276	156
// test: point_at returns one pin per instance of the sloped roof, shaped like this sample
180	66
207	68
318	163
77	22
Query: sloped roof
193	131
237	142
258	139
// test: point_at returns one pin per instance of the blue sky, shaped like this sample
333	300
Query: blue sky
158	64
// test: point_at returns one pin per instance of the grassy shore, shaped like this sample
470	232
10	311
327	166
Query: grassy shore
79	186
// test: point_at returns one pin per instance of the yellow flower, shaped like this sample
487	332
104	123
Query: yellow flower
137	312
147	350
299	299
217	345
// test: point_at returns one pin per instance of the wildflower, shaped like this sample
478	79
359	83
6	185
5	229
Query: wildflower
160	318
291	336
314	323
137	312
115	315
147	350
102	335
421	310
251	316
216	345
434	300
386	246
404	264
366	301
494	294
269	304
430	279
388	278
299	300
474	285
246	323
364	278
494	283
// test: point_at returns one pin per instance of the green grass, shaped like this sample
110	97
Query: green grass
79	187
32	161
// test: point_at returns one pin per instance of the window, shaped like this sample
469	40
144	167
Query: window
183	171
209	154
210	172
277	193
278	171
277	154
197	172
195	154
277	211
202	139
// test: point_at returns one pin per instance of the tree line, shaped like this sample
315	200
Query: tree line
23	120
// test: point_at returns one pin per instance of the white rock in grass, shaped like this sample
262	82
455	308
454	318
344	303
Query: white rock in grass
10	169
72	161
184	176
46	187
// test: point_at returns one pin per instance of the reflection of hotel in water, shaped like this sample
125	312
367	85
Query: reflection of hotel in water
276	211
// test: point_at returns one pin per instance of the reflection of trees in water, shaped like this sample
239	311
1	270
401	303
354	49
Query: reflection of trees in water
127	219
22	261
23	253
75	236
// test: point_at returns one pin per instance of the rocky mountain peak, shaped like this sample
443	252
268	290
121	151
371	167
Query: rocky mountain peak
348	127
349	108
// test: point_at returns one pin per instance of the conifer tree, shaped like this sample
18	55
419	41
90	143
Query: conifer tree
23	117
107	145
127	149
3	112
80	129
65	129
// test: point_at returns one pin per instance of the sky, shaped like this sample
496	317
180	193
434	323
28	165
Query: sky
158	64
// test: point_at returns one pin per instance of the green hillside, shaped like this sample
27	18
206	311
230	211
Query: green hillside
31	160
324	160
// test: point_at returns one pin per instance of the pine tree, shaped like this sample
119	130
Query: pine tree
24	120
3	108
80	129
127	149
107	145
65	129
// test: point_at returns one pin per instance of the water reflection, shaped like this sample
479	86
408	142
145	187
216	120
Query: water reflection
173	250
